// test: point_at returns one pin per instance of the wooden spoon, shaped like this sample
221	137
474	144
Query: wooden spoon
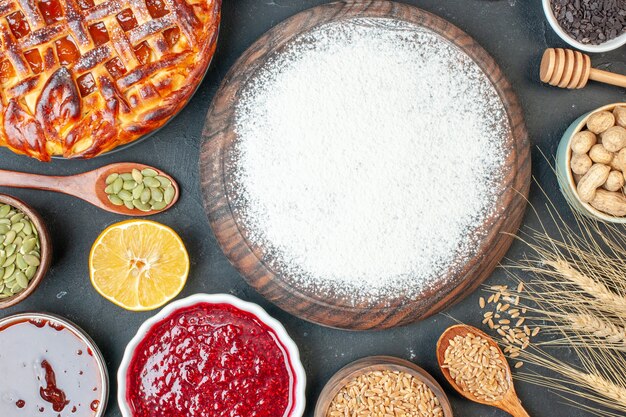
510	403
88	186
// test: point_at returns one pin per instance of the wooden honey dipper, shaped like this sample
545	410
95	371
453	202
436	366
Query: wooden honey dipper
566	68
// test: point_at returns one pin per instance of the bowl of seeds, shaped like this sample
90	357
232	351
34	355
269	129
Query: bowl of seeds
381	386
25	250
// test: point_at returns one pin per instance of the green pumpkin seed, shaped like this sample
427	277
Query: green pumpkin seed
117	185
145	196
151	182
141	206
28	230
137	176
125	195
2	286
10	261
163	181
3	258
129	205
168	194
137	191
115	200
5	221
28	245
10	250
129	185
17	217
21	279
111	178
159	205
8	272
16	288
109	189
157	195
9	237
4	229
4	210
17	227
149	172
127	176
31	260
30	271
20	262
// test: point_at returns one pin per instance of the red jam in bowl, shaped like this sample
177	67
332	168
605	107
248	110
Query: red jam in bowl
210	360
47	370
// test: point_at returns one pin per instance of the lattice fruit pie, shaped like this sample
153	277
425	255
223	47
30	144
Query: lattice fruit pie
80	77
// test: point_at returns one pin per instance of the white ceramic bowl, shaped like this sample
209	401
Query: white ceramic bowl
603	47
83	337
292	349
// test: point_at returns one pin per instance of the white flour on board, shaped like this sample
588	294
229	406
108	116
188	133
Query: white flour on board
368	156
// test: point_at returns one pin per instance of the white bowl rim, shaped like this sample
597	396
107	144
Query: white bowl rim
258	311
603	47
570	176
83	336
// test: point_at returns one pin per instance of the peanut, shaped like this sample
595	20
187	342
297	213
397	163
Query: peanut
589	183
583	141
615	181
580	163
600	121
620	115
614	138
619	161
610	202
600	155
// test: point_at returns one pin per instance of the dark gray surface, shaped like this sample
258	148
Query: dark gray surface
515	32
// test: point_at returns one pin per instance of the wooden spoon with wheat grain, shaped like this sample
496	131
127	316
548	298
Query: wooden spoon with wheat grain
462	349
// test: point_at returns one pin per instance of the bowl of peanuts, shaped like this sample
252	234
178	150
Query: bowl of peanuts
591	164
377	385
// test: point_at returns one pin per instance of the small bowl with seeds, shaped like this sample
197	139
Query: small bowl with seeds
25	250
376	385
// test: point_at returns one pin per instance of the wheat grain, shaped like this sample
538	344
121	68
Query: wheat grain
385	394
477	367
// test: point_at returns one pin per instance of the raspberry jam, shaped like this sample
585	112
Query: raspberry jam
210	360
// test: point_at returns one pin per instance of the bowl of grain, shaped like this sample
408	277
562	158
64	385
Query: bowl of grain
376	385
572	21
591	163
25	250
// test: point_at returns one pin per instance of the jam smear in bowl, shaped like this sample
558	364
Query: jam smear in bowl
54	369
211	356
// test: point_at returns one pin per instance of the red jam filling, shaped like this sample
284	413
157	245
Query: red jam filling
210	360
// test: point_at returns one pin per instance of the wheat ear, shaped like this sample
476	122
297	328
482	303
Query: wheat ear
611	301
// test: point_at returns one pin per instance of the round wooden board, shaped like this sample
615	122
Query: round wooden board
328	310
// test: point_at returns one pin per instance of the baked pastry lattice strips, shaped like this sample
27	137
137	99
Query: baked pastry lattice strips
79	77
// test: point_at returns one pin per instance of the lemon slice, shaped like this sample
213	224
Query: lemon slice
138	264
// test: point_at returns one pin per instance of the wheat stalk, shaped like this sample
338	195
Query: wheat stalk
578	295
606	298
592	325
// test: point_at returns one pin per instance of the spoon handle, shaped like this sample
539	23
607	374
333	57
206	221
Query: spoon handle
514	407
69	185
